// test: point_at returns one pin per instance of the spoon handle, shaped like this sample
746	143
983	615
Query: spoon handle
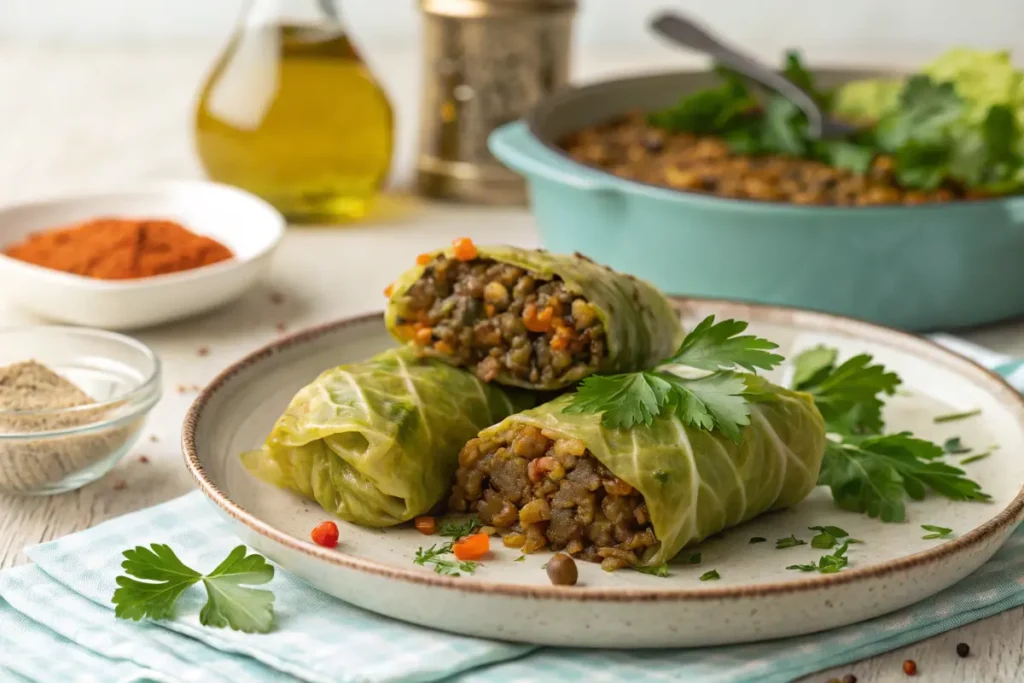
688	34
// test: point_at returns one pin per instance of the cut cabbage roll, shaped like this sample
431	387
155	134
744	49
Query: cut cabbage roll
628	497
377	443
529	318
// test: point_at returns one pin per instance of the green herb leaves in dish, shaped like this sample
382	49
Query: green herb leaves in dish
660	570
875	475
156	578
829	536
938	128
790	541
457	528
377	443
936	532
716	400
710	575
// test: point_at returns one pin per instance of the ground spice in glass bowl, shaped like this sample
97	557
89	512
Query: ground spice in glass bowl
71	411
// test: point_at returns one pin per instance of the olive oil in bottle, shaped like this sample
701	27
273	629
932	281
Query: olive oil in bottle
292	114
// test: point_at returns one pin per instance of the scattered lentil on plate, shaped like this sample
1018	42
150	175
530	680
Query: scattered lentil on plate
910	667
963	649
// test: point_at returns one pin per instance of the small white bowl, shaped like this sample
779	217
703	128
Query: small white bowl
247	225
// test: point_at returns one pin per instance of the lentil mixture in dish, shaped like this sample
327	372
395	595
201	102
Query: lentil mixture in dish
496	317
542	491
529	318
633	148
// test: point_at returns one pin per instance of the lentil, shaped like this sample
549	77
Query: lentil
963	649
910	667
562	570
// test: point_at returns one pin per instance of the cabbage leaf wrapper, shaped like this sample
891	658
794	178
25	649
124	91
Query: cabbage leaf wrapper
641	325
695	482
377	443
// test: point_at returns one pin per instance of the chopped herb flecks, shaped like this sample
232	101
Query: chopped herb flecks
975	458
710	576
790	542
936	532
457	528
827	564
693	558
657	570
953	417
954	446
758	539
435	555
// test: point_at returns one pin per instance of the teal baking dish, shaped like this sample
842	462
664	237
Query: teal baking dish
925	267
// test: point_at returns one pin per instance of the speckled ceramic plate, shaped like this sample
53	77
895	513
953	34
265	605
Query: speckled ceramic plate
756	597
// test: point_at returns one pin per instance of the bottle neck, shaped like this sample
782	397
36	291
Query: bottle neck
317	12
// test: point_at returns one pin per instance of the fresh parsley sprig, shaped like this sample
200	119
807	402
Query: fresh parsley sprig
457	528
659	570
849	395
875	474
936	532
156	578
436	555
719	399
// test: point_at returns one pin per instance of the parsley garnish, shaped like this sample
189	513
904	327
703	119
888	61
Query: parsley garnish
456	529
827	564
791	542
657	570
848	395
521	558
828	537
434	555
758	539
953	417
693	558
716	400
975	458
874	475
936	532
954	446
710	576
230	602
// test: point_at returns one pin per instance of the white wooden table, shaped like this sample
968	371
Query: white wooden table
74	121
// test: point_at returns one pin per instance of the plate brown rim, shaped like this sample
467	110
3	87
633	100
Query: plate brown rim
1004	520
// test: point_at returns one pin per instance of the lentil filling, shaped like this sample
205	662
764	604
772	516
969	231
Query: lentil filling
632	148
499	319
541	490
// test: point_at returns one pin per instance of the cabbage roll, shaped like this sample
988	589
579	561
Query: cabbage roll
529	318
377	443
627	497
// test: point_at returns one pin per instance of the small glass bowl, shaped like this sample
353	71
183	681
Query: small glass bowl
44	452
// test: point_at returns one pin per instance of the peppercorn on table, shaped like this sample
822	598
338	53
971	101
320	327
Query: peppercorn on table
74	131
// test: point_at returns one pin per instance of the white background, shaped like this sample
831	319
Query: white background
873	29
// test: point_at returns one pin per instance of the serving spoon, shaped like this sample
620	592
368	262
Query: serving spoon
682	31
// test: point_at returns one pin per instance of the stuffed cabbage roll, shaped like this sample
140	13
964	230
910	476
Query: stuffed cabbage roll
529	318
377	443
627	497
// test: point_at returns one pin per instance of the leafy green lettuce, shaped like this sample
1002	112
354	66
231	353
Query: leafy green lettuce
641	325
697	482
377	443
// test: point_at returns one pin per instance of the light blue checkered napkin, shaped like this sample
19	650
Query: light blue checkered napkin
56	622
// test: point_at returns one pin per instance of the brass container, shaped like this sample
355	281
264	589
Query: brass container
486	62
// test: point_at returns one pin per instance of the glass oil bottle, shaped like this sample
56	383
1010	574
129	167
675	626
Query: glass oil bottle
291	113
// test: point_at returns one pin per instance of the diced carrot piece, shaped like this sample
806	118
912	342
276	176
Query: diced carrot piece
465	250
423	259
546	315
559	342
389	289
325	534
472	547
533	322
444	347
426	525
423	335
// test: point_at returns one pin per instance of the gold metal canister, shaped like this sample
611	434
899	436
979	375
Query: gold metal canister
486	62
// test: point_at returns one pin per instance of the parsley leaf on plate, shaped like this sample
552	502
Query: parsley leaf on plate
457	528
849	394
657	570
693	558
827	564
719	399
710	575
790	542
156	578
436	555
954	446
719	346
875	474
827	537
936	532
953	417
975	458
